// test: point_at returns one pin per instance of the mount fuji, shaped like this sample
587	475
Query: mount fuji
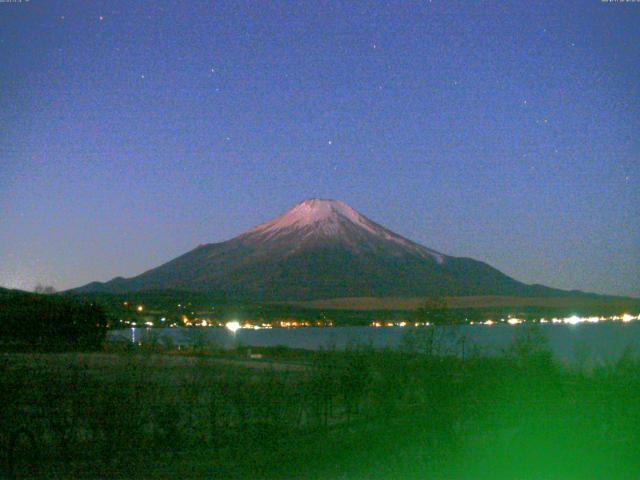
322	249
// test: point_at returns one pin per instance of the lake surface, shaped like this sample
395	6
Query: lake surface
598	342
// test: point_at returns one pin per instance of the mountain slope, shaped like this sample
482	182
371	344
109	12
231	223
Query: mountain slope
322	249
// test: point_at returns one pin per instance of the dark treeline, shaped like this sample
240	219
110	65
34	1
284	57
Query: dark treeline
174	304
37	322
410	413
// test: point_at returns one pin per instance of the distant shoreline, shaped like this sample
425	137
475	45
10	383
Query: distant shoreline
412	303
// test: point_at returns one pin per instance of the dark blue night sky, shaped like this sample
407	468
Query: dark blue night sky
131	131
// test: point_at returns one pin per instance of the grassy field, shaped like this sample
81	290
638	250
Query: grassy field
357	414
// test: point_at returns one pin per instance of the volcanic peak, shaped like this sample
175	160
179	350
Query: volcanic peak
312	212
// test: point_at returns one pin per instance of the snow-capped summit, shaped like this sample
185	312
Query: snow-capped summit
321	219
310	212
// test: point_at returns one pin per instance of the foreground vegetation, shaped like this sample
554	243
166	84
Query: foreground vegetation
39	322
294	414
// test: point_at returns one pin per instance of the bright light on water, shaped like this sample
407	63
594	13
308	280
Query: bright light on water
573	320
233	326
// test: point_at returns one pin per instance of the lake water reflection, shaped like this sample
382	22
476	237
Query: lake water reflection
597	342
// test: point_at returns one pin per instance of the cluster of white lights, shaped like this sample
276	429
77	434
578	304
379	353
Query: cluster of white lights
399	324
572	320
234	326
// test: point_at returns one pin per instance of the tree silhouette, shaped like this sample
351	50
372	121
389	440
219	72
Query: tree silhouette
50	322
44	289
434	310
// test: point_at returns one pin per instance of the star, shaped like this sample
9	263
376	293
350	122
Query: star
101	18
330	142
142	77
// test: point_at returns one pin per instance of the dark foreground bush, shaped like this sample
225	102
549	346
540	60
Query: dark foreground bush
49	323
